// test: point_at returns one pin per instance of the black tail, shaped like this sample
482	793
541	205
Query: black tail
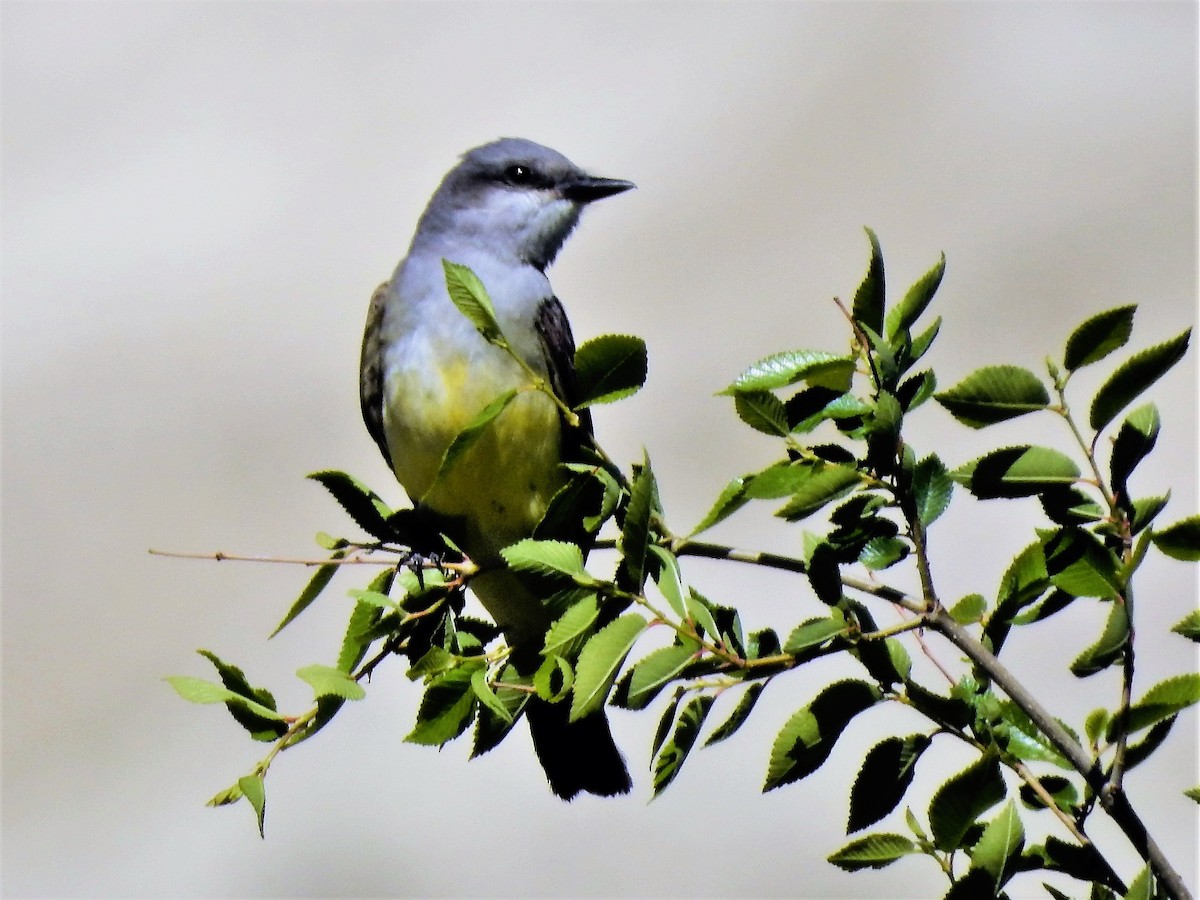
576	756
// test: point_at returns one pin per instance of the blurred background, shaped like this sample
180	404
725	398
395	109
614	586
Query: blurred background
199	198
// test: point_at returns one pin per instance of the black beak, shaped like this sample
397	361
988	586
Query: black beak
586	188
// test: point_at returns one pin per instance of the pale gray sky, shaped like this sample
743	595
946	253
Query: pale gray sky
198	199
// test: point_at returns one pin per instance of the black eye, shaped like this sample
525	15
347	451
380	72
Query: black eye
518	175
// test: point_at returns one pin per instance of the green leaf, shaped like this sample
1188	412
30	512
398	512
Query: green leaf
822	484
197	690
650	674
882	552
446	709
1134	376
1189	626
901	318
994	394
807	738
1018	735
664	724
471	297
931	487
327	681
671	758
885	775
1061	790
1099	336
260	728
609	368
1137	753
1181	540
739	715
490	727
762	411
231	794
470	435
635	531
548	558
869	298
962	799
312	590
872	852
1193	794
362	504
969	610
571	626
1107	649
1000	846
815	632
731	499
553	679
1080	565
816	367
1020	471
255	791
600	660
1135	439
1167	698
1142	886
434	661
669	579
485	695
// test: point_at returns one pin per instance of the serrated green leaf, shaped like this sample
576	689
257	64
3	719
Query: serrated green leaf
599	662
572	625
471	297
548	558
700	614
635	531
197	690
969	610
1180	540
485	695
326	681
962	799
231	794
922	342
470	435
1061	790
816	367
824	483
362	504
1020	471
1080	565
872	852
731	499
1167	698
881	552
671	757
762	411
1108	648
1145	511
1193	793
815	632
260	728
994	394
1142	886
999	846
490	727
740	713
807	738
868	305
932	487
1021	738
1099	336
1095	724
1189	626
255	791
885	775
554	679
1133	377
665	722
434	661
902	317
653	671
609	368
1139	751
670	579
1135	439
312	590
446	709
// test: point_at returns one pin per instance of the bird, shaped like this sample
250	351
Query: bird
504	211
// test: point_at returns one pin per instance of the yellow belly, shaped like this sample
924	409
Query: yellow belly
501	486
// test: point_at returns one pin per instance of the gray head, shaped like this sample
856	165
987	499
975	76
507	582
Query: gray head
512	198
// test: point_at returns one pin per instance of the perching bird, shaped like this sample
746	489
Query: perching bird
504	211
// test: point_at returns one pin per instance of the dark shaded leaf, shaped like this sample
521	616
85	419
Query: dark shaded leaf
1098	336
902	317
823	484
1080	565
994	394
886	773
807	738
312	590
1180	540
635	531
1021	471
1108	648
362	504
446	709
957	804
1135	439
1134	376
1167	698
740	713
671	758
867	308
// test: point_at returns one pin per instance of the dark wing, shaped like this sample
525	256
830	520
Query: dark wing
370	371
558	348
